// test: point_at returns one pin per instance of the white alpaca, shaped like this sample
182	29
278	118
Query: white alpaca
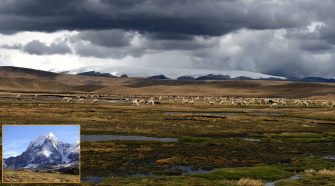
141	102
305	103
273	105
211	102
95	101
324	104
81	100
242	103
66	100
135	102
184	101
282	103
151	102
224	102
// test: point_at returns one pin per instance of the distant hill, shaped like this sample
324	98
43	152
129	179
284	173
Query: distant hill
318	80
8	71
213	77
242	78
158	77
20	80
185	78
31	80
94	73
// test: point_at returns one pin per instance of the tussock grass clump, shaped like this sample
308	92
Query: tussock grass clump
309	172
326	172
323	172
249	182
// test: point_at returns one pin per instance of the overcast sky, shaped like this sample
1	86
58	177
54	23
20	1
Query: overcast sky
276	37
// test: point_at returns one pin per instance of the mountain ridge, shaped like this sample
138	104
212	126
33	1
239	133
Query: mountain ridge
45	151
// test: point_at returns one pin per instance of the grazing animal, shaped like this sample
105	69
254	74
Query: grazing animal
135	102
273	105
211	102
332	105
271	101
151	102
242	103
223	102
184	101
305	103
95	101
81	100
324	104
282	103
66	100
141	101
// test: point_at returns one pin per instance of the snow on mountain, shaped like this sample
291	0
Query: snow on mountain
41	139
31	166
45	150
172	73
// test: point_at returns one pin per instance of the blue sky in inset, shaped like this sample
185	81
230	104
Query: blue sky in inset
16	138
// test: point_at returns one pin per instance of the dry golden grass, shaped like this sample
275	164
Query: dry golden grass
28	176
325	172
249	182
309	172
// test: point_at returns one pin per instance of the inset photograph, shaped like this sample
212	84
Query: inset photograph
41	153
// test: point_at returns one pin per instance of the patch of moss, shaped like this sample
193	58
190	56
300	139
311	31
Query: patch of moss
263	172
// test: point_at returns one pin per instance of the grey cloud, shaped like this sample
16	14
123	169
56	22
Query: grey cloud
106	38
15	46
173	18
38	48
315	45
119	44
263	52
268	36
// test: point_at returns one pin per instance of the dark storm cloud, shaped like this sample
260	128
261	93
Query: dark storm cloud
106	38
279	37
38	48
315	45
166	19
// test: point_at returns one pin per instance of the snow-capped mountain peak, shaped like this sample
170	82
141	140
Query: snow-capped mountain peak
51	136
45	150
172	73
43	139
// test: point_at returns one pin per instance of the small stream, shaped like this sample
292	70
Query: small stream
191	170
203	113
91	138
329	157
295	177
93	179
182	168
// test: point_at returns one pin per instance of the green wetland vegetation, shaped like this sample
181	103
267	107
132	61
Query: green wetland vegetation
214	145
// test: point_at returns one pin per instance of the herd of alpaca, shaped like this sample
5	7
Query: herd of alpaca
210	100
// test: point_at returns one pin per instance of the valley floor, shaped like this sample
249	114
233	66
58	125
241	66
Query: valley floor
214	144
